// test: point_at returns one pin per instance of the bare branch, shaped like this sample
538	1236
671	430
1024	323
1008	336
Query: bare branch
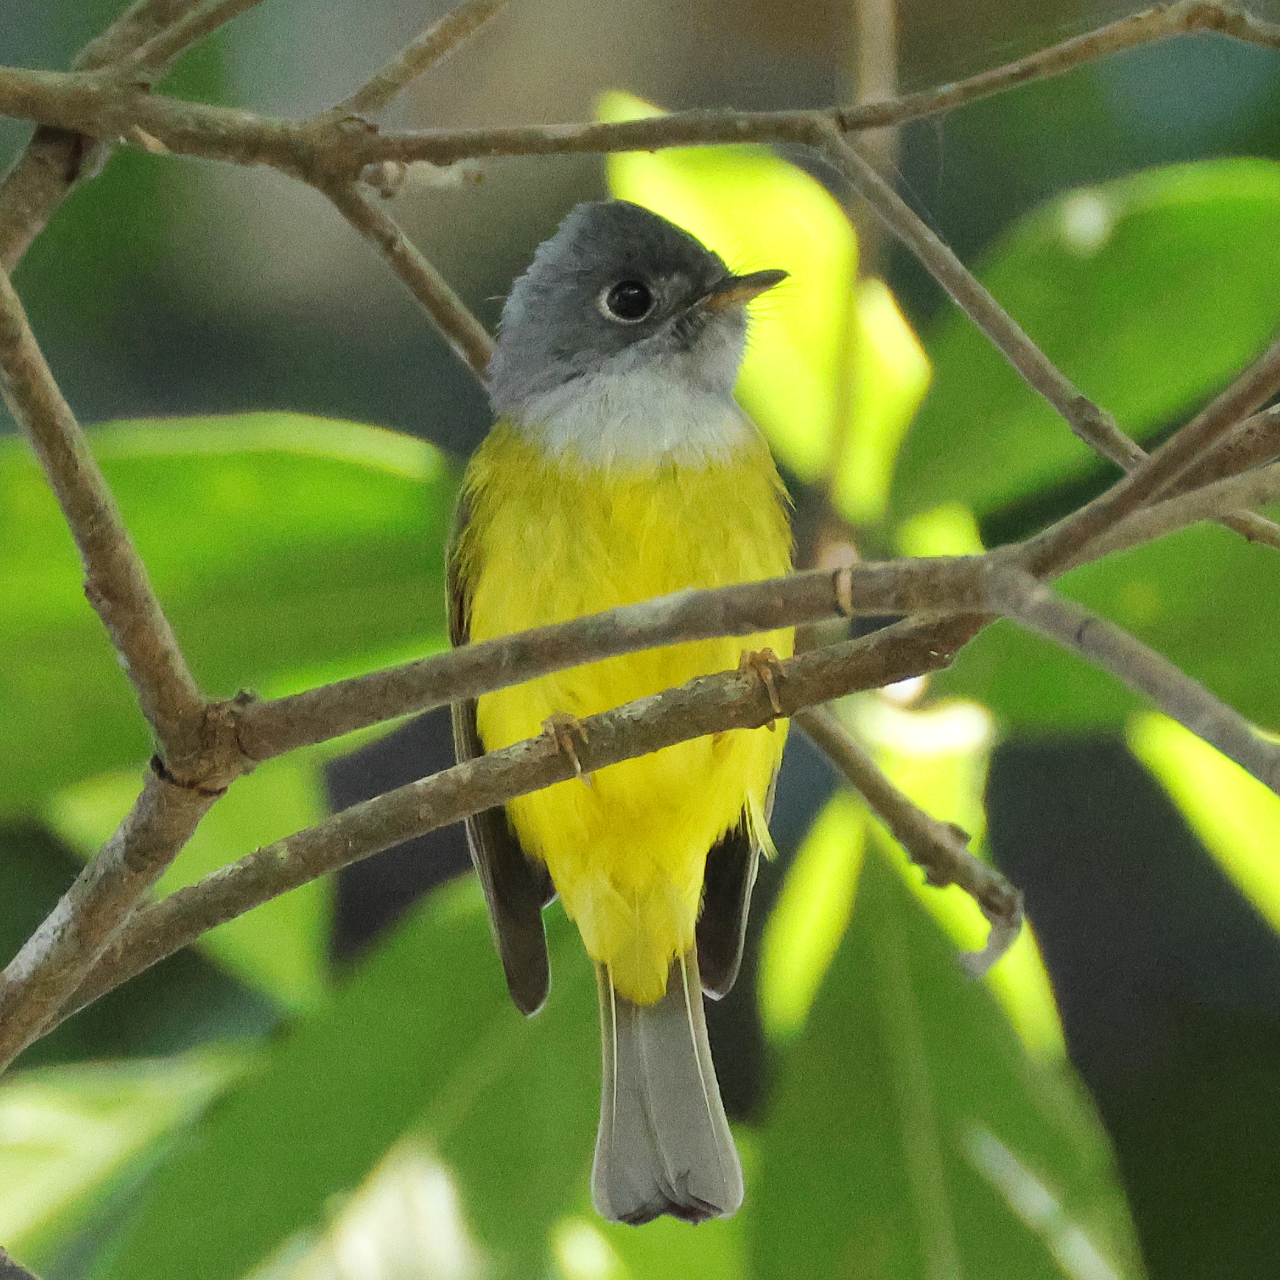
55	959
430	48
941	848
1253	488
116	580
40	179
140	22
1092	424
1183	450
1248	444
914	586
151	59
709	704
112	112
1022	597
465	334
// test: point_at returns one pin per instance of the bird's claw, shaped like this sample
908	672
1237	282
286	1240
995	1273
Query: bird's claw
562	728
768	667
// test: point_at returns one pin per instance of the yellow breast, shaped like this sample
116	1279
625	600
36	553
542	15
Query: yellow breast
551	539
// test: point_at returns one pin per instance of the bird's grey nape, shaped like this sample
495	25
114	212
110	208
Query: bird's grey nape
555	327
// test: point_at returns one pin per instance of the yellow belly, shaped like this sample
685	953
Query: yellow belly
550	540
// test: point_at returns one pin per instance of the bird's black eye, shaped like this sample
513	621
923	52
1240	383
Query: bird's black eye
628	300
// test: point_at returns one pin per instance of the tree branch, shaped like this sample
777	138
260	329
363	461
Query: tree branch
1020	596
709	704
103	109
1253	488
941	848
464	333
42	177
153	58
426	51
1161	470
116	580
267	729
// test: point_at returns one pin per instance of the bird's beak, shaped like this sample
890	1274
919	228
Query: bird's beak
734	291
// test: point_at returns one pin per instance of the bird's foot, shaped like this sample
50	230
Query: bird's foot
562	728
768	667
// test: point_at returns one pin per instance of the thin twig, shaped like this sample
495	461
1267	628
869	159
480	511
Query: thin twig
42	176
218	133
151	59
1092	424
1250	443
1253	488
55	959
941	848
1020	596
465	334
427	50
116	580
1161	470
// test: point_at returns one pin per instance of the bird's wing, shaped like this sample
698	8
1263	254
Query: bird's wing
515	887
726	901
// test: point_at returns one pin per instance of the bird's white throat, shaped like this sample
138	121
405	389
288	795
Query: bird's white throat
637	414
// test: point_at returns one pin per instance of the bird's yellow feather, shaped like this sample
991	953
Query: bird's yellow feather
551	538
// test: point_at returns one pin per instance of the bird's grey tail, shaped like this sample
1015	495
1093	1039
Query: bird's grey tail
664	1144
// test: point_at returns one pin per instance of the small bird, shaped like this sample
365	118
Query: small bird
621	468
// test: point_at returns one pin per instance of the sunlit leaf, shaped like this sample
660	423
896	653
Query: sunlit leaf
911	1135
403	1222
423	1037
1149	292
938	757
1235	816
811	914
68	1133
1205	598
833	373
280	946
277	543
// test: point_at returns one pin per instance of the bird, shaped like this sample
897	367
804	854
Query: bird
619	468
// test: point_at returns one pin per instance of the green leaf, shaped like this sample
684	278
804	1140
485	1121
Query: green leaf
1203	597
911	1135
277	544
67	1134
279	947
832	373
1234	815
424	1035
1148	292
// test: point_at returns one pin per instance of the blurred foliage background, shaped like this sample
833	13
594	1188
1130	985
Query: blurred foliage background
337	1086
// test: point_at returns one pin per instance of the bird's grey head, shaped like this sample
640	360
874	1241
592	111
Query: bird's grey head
616	289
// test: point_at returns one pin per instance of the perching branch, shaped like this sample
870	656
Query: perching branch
941	848
709	704
267	729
